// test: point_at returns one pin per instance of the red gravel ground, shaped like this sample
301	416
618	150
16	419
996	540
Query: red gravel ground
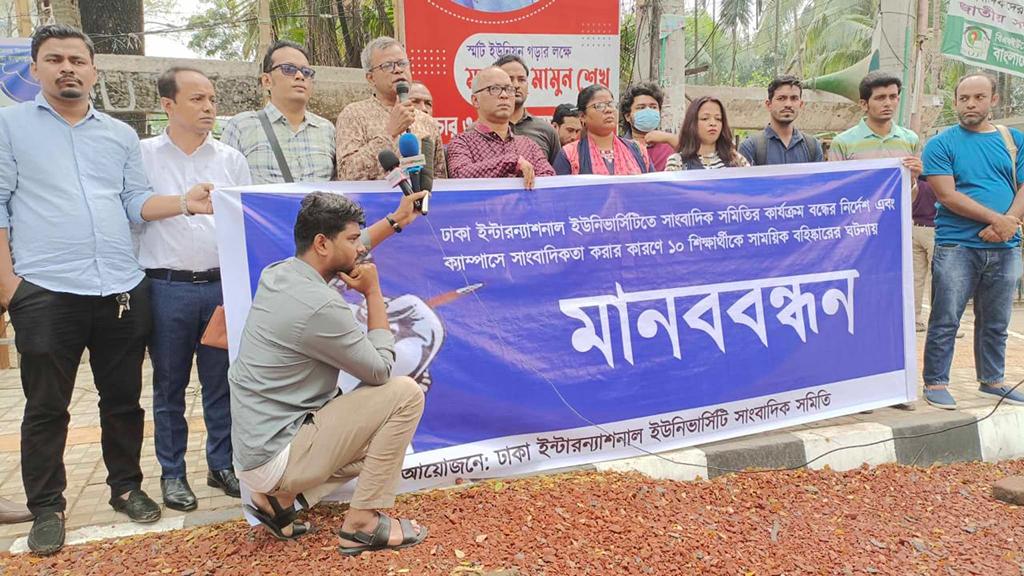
885	520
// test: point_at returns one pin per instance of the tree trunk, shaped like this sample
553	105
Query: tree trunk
116	25
382	14
732	74
116	28
322	38
351	50
62	11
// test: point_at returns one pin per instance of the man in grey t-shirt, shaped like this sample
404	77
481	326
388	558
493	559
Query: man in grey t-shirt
294	436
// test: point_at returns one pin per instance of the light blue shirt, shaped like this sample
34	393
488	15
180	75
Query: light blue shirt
67	195
979	163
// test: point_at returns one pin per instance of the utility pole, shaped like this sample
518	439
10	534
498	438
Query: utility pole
919	54
654	13
24	18
265	28
673	80
696	29
778	24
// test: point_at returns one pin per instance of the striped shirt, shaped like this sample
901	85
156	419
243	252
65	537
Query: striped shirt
862	143
309	151
675	163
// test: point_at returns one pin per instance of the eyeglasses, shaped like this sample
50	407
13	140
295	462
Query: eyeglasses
391	66
290	70
498	90
602	106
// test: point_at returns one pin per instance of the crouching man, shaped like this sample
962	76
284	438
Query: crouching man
294	435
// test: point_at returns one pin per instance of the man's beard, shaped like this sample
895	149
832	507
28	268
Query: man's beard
976	121
785	121
71	93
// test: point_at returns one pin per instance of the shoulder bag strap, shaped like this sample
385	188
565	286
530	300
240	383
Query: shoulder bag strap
275	145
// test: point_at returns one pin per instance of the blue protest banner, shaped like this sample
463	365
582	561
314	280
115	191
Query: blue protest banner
16	81
604	317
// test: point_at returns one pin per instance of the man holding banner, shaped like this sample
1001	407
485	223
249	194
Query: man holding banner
295	437
490	148
975	170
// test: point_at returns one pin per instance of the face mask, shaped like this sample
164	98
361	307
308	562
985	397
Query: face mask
646	120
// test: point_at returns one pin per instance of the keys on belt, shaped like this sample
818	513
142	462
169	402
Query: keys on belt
191	276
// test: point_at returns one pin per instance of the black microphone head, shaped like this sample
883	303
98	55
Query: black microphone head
388	160
402	89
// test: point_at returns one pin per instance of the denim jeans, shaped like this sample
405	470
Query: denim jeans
958	274
181	311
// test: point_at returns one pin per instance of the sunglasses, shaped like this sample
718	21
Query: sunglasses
290	70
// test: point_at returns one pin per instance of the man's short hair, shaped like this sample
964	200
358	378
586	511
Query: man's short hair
508	59
59	32
324	213
419	83
784	80
563	111
268	58
380	43
878	79
167	84
991	80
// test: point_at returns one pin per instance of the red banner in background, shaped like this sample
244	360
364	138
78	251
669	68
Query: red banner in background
567	44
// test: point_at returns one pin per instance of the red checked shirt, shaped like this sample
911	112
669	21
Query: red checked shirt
481	153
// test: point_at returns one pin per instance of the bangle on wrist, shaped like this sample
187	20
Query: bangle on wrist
394	225
184	206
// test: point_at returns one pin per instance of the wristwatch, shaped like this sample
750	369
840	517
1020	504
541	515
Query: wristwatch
394	225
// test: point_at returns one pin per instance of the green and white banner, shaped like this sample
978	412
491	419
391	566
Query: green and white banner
986	33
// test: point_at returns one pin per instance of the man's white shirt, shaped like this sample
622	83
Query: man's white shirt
181	242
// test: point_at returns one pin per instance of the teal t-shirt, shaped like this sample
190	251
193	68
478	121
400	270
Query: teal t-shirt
980	165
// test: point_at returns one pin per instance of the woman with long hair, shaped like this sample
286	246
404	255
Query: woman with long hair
599	150
705	140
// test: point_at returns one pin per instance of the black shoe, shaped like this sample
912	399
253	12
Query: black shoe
139	507
178	495
225	480
47	534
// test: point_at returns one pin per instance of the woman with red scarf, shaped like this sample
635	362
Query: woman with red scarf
600	150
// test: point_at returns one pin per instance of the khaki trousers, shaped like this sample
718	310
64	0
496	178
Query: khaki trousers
363	434
923	240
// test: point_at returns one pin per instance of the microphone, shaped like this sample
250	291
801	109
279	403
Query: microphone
413	163
397	177
427	173
412	160
402	89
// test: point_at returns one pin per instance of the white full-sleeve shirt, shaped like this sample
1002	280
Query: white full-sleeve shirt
181	242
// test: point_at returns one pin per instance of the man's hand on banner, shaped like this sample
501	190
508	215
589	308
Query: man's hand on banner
406	212
528	173
199	199
913	163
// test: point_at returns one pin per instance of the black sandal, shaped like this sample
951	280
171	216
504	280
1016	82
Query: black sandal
283	517
378	540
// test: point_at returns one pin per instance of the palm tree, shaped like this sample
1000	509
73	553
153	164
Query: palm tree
228	28
736	14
